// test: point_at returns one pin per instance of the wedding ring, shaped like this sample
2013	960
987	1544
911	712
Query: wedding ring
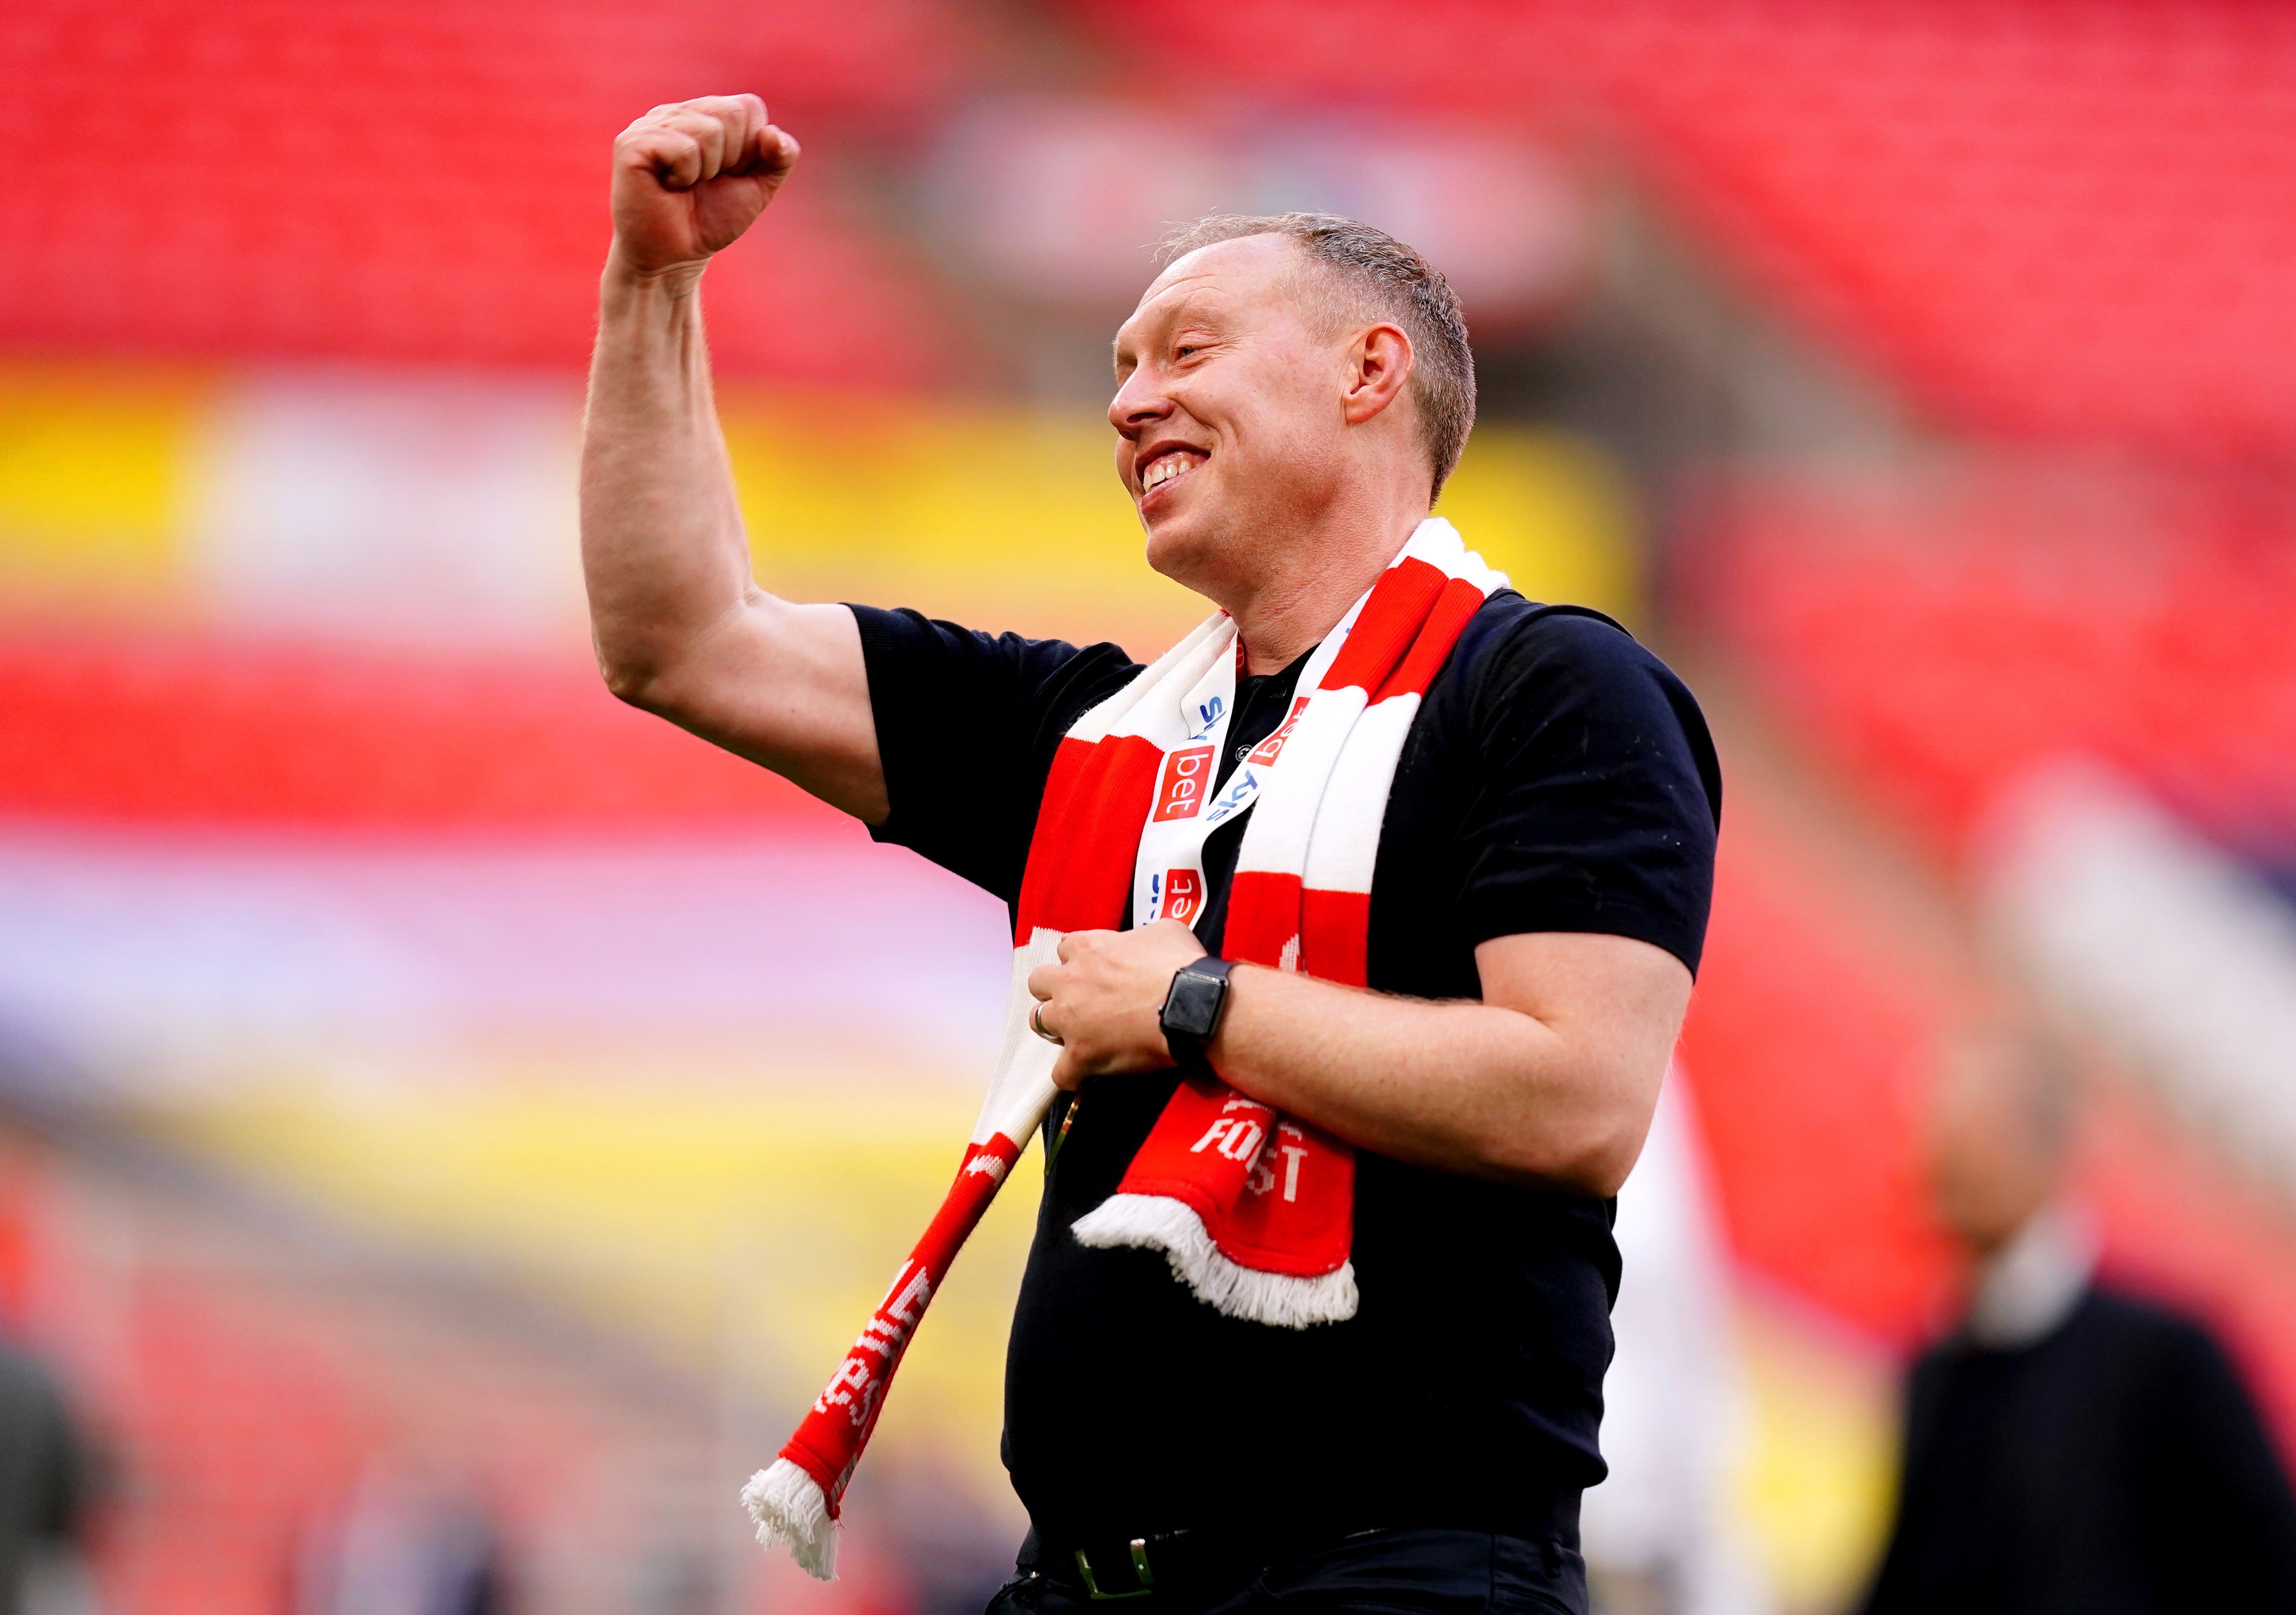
1037	1024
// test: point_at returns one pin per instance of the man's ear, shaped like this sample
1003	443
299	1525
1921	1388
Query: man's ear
1380	362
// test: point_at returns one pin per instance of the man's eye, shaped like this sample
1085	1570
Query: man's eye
1188	352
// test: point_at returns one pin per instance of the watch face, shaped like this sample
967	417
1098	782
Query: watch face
1194	1003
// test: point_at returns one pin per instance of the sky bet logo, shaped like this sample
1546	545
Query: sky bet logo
1177	894
1240	793
1180	792
1266	753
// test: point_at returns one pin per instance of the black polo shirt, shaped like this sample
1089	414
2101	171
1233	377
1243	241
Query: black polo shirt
1558	778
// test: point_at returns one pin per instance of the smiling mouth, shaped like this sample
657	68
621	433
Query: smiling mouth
1168	467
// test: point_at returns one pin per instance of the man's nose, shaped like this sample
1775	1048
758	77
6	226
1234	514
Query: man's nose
1139	403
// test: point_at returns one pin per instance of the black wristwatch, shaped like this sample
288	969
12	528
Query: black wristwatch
1192	1006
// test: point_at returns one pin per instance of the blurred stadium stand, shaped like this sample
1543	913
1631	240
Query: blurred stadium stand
221	732
2067	221
361	214
244	1369
1945	640
321	848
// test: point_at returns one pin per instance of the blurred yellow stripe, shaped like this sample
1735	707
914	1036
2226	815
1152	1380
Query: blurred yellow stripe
746	1231
1554	513
997	516
94	468
1006	520
1820	1486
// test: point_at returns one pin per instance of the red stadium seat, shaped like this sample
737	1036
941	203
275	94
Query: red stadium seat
426	181
195	732
2070	220
1942	648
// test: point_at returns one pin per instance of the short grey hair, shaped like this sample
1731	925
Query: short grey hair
1378	276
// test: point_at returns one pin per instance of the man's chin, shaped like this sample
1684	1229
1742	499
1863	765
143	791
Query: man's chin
1177	546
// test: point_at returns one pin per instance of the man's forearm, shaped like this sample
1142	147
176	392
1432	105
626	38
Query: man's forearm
1550	1079
663	550
1460	1086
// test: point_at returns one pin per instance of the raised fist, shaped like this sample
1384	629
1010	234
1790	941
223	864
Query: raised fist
689	178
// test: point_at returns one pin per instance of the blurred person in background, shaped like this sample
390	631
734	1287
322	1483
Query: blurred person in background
2068	1447
44	1495
1292	392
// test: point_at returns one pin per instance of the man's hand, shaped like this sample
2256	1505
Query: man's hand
1104	1000
690	178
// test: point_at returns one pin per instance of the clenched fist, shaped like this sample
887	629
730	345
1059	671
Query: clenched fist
689	178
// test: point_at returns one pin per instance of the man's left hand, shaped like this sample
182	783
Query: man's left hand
1104	1000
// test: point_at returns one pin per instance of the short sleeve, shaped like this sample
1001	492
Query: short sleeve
1598	797
967	723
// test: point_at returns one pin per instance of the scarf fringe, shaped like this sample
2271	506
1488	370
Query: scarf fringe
790	1510
1154	1222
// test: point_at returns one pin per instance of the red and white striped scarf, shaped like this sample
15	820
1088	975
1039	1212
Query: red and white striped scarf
1254	1210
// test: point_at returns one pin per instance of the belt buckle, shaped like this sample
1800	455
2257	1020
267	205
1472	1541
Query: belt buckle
1140	1574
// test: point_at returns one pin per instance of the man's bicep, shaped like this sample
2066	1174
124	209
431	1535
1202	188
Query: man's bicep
1612	1007
785	687
1620	999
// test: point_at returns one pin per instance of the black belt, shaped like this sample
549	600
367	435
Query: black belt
1184	1566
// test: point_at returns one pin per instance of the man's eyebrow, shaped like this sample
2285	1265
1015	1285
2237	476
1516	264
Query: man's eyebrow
1189	306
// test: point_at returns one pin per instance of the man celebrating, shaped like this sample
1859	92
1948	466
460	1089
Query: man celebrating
1393	885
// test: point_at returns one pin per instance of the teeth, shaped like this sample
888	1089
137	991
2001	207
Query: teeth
1165	468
